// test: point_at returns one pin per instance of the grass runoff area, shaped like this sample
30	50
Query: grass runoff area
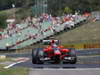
6	59
18	12
86	33
11	71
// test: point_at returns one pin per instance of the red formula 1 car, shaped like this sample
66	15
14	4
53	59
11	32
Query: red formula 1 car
53	53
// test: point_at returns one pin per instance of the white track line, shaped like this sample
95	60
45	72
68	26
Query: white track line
23	60
68	69
6	67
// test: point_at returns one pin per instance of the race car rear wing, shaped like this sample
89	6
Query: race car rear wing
48	42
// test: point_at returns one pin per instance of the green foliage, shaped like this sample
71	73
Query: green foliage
67	10
3	22
54	6
13	71
6	4
23	13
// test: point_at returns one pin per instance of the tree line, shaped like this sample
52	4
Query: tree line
59	6
6	4
54	7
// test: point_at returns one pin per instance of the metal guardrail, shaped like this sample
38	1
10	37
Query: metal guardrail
85	52
88	52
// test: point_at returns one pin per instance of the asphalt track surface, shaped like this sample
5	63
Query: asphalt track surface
87	62
64	72
60	69
84	66
29	64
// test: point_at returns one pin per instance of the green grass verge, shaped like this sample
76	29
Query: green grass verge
19	12
9	12
13	71
87	33
6	59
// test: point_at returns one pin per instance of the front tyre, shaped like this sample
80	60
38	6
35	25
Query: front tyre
73	55
36	54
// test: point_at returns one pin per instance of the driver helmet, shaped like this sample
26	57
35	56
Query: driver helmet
52	41
54	46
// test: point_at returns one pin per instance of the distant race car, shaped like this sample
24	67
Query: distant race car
53	53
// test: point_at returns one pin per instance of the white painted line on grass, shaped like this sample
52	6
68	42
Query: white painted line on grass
21	60
6	67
